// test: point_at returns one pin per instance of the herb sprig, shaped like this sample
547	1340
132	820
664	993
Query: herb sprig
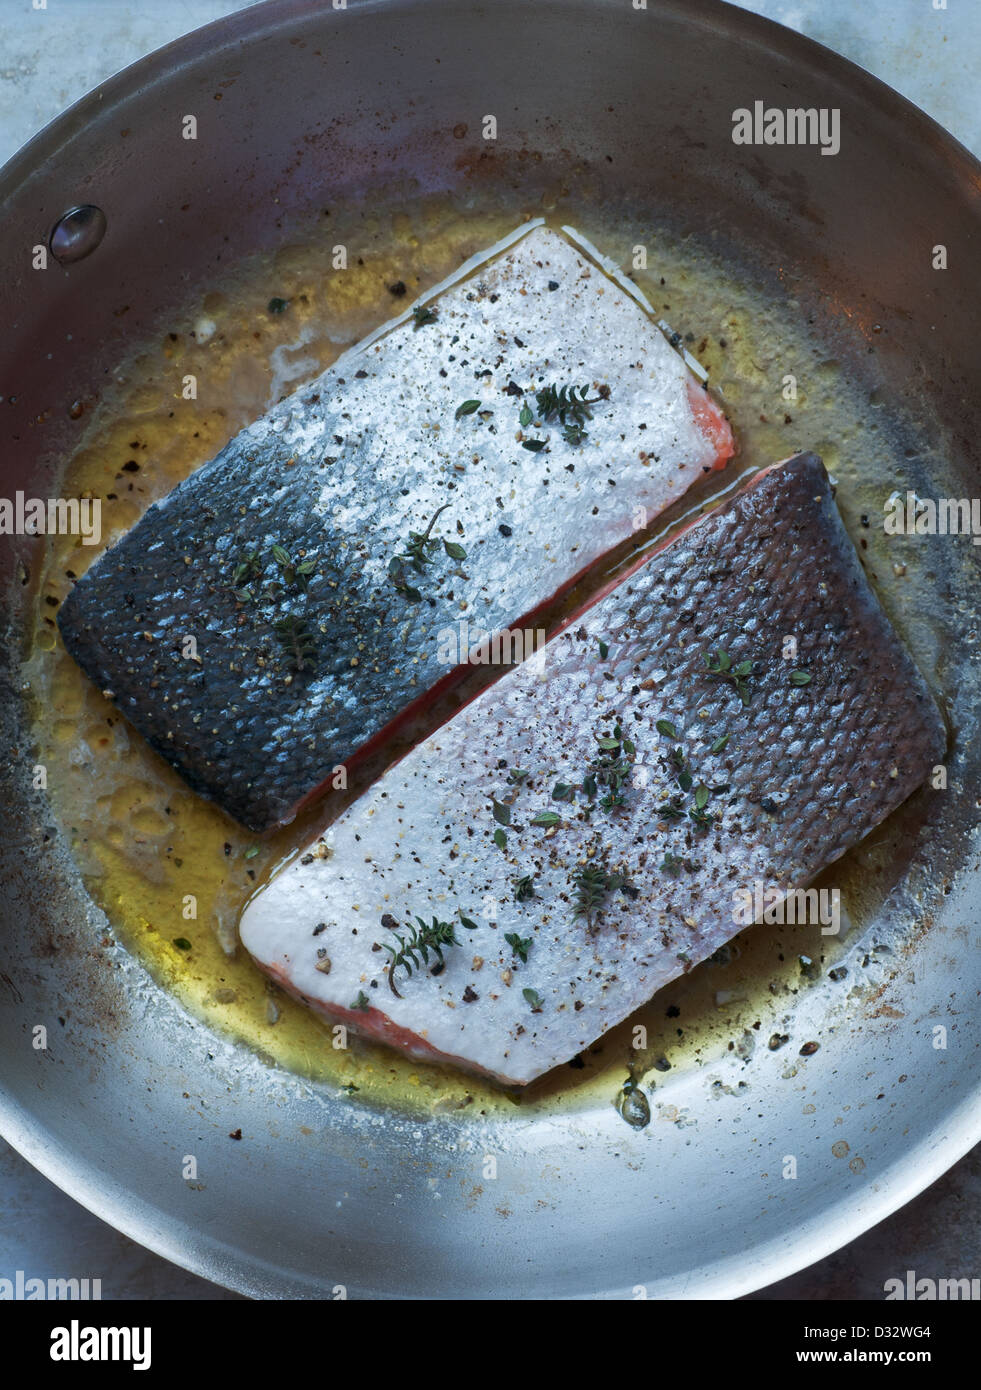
418	553
571	410
719	667
610	768
524	888
520	945
297	639
293	574
673	807
592	884
414	948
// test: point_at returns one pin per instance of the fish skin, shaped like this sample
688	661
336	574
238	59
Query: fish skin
340	473
775	561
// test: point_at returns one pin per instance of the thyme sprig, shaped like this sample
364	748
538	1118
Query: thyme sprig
421	543
673	807
571	411
297	639
418	554
294	572
673	864
610	769
592	884
719	667
414	948
247	568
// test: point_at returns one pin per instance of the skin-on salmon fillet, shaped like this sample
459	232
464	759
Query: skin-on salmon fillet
469	462
588	828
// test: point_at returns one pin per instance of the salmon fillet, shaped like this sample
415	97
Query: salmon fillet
441	470
579	834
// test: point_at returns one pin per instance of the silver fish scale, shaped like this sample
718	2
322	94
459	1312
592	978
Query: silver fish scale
811	769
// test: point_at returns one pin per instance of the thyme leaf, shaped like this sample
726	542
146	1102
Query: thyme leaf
293	572
520	945
524	888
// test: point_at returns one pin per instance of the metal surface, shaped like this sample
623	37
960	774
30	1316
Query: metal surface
321	1193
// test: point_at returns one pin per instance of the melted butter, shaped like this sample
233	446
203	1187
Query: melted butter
171	870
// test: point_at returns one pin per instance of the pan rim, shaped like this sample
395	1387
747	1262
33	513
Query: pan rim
720	15
906	1177
905	1180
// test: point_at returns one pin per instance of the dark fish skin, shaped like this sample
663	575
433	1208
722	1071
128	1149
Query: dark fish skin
167	566
339	477
794	778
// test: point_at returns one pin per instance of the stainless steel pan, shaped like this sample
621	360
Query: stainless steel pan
317	102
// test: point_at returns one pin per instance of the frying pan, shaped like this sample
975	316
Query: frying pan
318	103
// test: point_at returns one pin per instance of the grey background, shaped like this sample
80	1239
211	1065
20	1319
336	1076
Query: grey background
48	59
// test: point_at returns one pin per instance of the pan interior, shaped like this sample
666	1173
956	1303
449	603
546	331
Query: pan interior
172	873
